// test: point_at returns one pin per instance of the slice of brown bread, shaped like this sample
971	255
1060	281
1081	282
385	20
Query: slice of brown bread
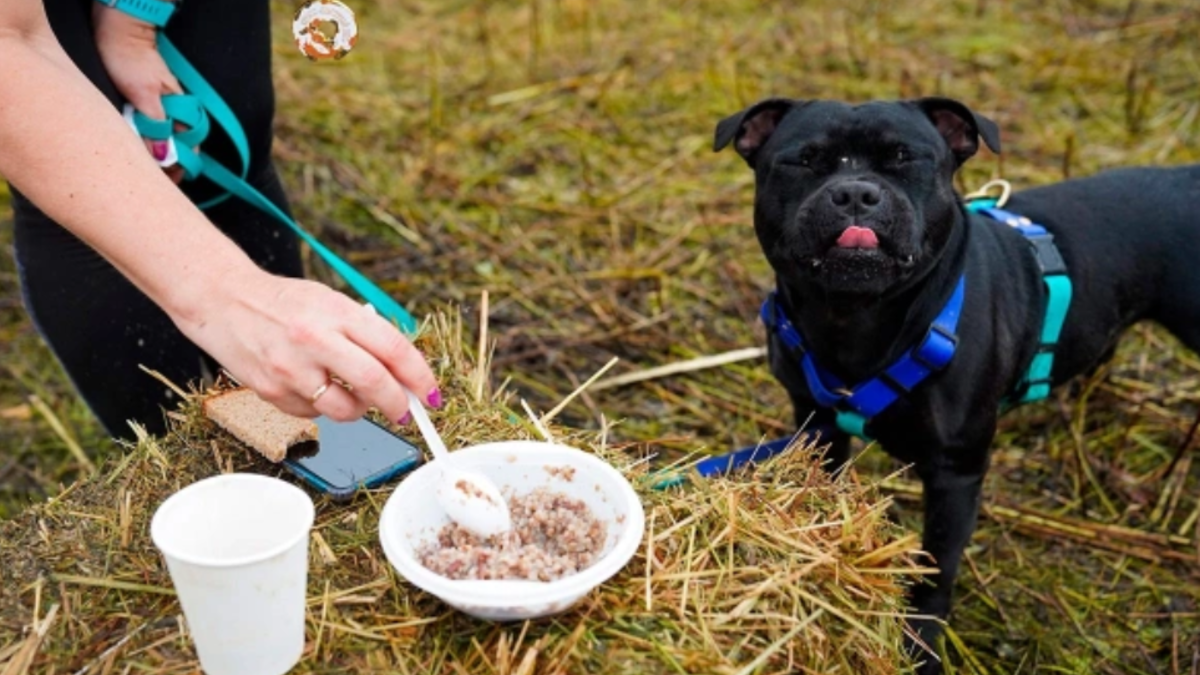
257	423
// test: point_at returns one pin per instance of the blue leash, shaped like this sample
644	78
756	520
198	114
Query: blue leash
193	111
721	464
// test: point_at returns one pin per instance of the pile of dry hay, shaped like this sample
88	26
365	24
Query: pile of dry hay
779	570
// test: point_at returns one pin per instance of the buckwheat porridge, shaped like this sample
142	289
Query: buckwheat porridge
553	536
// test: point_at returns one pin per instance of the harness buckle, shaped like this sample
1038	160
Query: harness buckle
942	355
937	328
1048	256
896	385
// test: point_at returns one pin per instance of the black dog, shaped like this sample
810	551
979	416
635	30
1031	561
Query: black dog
857	214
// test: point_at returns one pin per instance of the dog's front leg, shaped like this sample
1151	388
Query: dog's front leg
952	494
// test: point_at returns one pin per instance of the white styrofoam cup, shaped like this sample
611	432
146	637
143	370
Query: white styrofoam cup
236	546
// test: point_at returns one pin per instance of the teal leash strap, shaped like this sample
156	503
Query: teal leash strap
193	111
382	302
193	82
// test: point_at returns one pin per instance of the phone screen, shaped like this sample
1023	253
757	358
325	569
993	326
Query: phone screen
350	455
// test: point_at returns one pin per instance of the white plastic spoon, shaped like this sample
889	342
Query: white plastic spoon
470	498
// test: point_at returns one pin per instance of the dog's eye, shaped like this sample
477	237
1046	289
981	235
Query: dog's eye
804	159
808	157
902	156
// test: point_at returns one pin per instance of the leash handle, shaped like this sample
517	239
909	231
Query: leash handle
193	110
193	82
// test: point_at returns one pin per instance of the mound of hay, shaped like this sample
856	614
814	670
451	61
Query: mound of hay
778	570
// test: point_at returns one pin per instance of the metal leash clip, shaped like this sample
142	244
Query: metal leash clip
982	192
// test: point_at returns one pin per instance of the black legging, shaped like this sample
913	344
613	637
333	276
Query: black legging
98	324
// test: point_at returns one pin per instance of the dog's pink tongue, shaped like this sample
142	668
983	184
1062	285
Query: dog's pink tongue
858	237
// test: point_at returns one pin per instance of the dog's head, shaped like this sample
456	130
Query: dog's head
855	199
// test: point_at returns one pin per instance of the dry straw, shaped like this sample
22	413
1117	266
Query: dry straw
779	570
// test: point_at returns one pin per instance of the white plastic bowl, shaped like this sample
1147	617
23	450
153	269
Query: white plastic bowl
412	516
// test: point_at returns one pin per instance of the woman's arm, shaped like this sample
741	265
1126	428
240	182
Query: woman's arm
64	146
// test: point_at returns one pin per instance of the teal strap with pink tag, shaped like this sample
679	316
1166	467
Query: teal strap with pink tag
191	113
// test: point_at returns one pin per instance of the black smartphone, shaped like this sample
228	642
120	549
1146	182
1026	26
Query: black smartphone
351	455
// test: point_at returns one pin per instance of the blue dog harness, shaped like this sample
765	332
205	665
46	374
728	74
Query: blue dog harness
856	406
193	112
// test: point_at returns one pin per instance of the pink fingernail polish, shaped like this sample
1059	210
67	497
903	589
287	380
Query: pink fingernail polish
434	399
159	148
406	419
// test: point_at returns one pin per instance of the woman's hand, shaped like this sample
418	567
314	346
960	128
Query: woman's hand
284	338
130	55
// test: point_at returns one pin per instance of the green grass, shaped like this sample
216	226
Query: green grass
556	153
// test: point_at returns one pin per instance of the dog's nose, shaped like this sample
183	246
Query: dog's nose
857	195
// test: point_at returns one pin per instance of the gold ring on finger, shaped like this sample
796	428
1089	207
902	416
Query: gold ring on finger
320	391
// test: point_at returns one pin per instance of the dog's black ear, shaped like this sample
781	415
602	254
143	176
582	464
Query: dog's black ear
960	126
750	128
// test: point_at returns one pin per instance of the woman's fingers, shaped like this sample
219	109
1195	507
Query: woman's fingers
310	350
175	173
147	100
130	55
369	361
361	375
337	402
328	398
397	354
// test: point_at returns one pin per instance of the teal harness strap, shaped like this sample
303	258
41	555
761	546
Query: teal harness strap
1058	286
1035	385
193	112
